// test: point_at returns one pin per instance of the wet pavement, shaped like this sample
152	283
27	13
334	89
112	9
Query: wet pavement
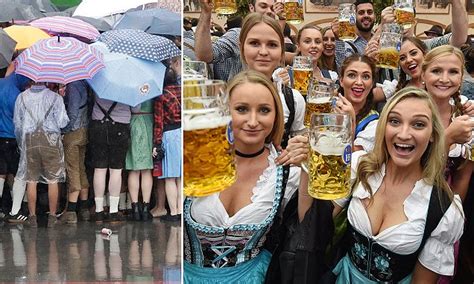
134	252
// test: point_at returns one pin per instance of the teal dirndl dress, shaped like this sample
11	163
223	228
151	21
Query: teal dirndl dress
228	255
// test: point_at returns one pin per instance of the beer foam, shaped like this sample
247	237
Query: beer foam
319	100
406	9
327	145
303	69
197	119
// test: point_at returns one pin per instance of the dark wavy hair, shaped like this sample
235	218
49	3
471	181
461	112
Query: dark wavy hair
402	81
369	103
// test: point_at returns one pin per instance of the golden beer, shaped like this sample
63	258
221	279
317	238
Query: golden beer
191	86
225	7
302	78
208	161
388	58
317	105
347	31
293	12
405	17
329	174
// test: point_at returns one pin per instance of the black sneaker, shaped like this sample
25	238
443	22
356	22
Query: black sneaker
171	218
16	219
115	218
98	217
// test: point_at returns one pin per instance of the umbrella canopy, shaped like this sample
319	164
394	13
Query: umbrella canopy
128	80
140	44
25	36
59	60
40	5
100	24
7	48
58	25
11	11
98	9
155	21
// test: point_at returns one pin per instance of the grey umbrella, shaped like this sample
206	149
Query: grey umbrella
17	11
153	21
43	6
7	47
100	24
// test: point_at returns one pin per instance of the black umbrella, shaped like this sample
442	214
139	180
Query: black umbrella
7	47
17	11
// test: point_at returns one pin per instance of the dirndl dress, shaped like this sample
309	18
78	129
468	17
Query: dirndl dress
139	154
228	255
171	163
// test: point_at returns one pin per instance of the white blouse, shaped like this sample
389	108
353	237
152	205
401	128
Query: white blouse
300	107
210	211
405	238
366	137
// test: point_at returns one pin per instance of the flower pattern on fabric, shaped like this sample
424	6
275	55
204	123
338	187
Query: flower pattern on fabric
381	263
360	250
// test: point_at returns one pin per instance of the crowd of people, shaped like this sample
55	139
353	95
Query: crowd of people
408	217
100	159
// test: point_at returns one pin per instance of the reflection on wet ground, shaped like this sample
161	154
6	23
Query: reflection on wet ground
134	252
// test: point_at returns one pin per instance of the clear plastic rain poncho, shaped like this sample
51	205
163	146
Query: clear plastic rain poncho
39	116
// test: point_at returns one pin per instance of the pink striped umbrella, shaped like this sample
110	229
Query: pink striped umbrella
65	26
59	60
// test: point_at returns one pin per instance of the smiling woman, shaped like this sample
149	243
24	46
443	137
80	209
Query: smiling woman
225	232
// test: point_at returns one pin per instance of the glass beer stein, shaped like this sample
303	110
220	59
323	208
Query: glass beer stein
404	13
302	73
347	22
320	98
294	11
389	46
225	7
194	72
330	154
208	158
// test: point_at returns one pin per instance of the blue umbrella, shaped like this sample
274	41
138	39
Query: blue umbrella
140	44
154	21
128	80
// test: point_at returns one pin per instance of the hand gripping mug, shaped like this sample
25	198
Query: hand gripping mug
208	157
330	156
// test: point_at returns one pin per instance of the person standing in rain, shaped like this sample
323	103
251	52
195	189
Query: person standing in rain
39	116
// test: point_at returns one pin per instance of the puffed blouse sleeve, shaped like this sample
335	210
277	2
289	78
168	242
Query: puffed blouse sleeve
438	253
343	202
366	138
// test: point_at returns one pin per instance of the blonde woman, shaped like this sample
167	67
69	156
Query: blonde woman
442	74
391	237
238	218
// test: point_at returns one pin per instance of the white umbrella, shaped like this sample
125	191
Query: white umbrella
98	9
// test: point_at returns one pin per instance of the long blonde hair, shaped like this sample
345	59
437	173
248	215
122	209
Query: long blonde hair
442	51
255	77
433	161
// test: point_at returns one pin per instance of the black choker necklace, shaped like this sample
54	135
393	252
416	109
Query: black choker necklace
240	154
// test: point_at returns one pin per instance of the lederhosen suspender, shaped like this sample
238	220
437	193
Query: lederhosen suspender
107	113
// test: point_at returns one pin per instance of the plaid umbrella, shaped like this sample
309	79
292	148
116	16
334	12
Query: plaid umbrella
128	80
154	21
59	60
7	47
140	44
25	36
59	25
